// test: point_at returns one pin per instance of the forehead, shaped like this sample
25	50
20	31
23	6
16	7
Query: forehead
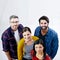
14	19
38	45
26	32
43	20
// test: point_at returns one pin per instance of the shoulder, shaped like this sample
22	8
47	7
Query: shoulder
6	31
20	26
34	58
38	28
35	38
47	57
21	42
52	32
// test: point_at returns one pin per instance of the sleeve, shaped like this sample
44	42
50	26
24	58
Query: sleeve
36	33
54	46
37	30
5	42
34	58
20	49
47	58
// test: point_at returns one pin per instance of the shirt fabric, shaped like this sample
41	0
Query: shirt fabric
21	49
50	40
46	58
16	35
27	53
9	41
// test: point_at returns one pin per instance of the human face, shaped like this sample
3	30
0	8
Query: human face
39	48
27	36
43	24
14	22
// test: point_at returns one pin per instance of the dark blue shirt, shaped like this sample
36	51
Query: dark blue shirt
9	42
50	40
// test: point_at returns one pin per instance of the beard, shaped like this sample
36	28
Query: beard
44	27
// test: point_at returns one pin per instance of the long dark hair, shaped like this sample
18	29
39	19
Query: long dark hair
39	41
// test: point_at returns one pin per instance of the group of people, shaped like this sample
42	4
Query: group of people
19	44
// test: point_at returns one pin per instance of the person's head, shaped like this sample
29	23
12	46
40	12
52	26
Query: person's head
39	47
44	22
27	34
14	22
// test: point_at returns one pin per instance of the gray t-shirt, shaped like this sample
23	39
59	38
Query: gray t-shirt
27	53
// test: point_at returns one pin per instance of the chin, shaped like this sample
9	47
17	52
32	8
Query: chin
14	29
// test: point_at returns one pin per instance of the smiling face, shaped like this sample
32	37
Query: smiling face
14	22
39	48
43	24
27	36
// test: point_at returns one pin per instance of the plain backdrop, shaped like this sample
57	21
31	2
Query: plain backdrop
29	11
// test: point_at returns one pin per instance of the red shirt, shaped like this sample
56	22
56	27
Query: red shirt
46	58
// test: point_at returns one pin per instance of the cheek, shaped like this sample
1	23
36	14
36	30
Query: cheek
24	37
12	25
42	49
36	49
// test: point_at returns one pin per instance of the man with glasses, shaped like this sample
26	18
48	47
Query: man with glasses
11	36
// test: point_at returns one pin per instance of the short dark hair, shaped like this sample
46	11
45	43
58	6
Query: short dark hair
13	16
26	29
39	41
44	18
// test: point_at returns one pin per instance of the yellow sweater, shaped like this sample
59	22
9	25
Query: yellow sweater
20	49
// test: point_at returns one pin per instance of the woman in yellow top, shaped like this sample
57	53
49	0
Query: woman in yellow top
25	45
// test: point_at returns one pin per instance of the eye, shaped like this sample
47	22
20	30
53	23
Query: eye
36	47
28	34
16	21
41	23
40	47
24	35
45	23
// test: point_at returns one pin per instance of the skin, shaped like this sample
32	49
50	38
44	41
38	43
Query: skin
39	51
27	37
44	26
14	23
39	48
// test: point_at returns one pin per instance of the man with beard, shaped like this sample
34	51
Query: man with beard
11	36
48	35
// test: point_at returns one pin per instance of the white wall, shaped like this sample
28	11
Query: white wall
29	11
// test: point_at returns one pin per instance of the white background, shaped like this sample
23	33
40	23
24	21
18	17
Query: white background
29	11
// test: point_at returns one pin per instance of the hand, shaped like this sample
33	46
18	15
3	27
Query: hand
10	59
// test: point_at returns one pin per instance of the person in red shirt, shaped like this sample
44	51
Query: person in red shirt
38	52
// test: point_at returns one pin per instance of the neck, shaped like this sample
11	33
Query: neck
40	56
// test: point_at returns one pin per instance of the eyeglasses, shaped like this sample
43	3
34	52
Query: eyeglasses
14	21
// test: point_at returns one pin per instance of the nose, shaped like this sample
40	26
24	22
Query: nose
15	23
26	36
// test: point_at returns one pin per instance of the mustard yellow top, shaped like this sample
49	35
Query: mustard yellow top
20	50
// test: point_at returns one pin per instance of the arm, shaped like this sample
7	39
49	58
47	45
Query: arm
5	44
37	30
8	55
54	46
20	49
35	33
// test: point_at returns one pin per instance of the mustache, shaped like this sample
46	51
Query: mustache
45	27
15	25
